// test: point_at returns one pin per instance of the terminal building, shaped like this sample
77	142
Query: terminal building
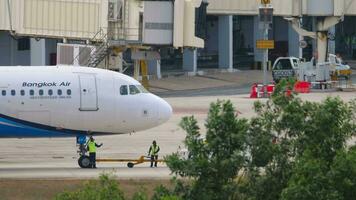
45	32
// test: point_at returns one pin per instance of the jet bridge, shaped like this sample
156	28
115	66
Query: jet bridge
105	28
326	14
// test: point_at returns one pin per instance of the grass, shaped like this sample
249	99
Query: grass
48	189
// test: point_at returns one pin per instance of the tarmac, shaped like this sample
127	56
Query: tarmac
56	158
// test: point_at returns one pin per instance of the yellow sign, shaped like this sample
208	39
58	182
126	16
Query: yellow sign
265	44
265	1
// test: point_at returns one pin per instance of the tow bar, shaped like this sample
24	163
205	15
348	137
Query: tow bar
130	162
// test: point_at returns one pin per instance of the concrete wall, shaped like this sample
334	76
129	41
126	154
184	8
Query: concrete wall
9	54
38	54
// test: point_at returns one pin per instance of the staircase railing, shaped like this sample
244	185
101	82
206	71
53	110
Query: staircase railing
100	36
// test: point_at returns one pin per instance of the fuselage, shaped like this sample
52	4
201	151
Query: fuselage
60	101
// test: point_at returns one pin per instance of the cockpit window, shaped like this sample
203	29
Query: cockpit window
142	89
123	90
134	90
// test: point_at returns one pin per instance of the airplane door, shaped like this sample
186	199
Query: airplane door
88	93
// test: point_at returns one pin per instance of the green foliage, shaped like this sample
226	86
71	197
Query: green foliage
215	161
293	144
162	193
102	189
292	149
140	195
343	173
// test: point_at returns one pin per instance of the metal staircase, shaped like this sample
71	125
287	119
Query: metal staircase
100	53
104	41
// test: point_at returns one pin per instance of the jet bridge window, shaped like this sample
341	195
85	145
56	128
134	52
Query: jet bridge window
13	92
123	90
134	90
3	93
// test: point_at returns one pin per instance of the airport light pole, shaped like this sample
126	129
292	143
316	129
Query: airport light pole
265	59
266	19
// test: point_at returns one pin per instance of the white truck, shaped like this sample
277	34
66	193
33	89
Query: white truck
288	67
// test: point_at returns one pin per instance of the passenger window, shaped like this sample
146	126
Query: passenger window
134	90
59	92
40	92
3	93
69	92
123	90
13	92
22	92
32	92
50	92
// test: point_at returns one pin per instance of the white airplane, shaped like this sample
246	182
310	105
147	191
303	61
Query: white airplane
64	101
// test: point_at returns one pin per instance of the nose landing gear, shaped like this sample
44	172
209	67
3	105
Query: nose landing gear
83	161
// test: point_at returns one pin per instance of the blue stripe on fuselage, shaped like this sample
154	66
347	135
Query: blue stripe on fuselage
15	128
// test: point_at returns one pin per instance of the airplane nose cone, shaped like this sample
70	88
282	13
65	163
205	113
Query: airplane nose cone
165	111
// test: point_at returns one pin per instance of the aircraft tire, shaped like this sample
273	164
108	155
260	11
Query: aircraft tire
130	165
84	162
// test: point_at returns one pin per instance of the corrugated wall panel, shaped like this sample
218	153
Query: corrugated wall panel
66	18
248	7
4	16
242	7
351	8
283	7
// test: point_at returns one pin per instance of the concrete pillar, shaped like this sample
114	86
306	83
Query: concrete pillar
257	35
314	41
293	43
190	61
38	52
226	42
154	68
331	45
13	51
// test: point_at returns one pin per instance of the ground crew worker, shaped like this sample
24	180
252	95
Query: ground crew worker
153	152
92	151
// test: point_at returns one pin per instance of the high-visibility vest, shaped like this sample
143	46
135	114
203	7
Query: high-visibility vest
92	147
154	150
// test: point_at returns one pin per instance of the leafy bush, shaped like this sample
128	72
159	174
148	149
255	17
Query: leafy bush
104	188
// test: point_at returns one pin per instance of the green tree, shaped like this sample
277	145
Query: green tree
214	159
293	144
343	173
289	150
